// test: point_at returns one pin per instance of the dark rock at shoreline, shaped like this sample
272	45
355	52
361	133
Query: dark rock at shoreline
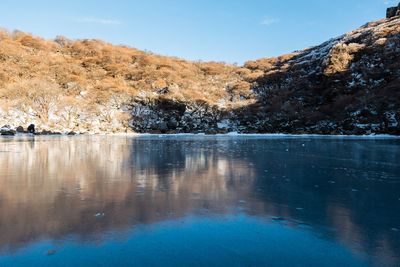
20	129
46	132
7	132
31	128
156	118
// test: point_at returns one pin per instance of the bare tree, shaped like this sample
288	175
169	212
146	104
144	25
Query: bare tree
39	95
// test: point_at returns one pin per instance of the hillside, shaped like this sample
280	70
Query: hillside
348	85
89	85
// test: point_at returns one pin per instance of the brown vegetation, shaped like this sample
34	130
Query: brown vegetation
35	73
94	84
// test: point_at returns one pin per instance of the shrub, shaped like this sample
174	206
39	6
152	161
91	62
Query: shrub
36	94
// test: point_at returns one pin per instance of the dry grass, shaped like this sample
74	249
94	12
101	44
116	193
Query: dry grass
92	72
340	57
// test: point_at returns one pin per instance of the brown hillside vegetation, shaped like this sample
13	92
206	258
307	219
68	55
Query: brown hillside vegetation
102	68
43	77
347	85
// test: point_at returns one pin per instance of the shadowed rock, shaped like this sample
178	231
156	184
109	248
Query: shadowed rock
20	129
31	128
393	11
6	130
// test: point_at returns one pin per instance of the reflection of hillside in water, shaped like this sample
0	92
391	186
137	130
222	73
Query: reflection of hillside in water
52	188
347	189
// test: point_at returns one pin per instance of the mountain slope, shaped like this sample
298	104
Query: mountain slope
348	85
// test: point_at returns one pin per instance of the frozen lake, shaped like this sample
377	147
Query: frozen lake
199	201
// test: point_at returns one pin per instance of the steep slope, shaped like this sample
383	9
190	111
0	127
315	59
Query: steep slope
348	85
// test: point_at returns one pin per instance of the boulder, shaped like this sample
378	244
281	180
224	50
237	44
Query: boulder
20	129
31	128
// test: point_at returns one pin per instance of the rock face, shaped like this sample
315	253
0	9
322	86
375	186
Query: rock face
393	11
166	116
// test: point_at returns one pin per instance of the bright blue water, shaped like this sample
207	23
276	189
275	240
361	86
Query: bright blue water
199	201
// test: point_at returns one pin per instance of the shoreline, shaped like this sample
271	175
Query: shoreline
233	134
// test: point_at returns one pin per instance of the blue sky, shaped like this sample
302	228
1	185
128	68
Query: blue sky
220	30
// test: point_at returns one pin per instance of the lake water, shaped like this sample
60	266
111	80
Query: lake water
199	201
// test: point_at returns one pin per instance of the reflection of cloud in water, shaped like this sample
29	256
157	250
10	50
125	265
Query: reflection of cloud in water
53	187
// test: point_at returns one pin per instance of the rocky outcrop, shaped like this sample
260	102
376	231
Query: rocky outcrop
348	85
393	11
167	116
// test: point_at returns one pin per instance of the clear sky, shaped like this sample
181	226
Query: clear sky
220	30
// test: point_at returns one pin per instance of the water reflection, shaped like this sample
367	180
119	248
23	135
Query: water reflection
343	190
